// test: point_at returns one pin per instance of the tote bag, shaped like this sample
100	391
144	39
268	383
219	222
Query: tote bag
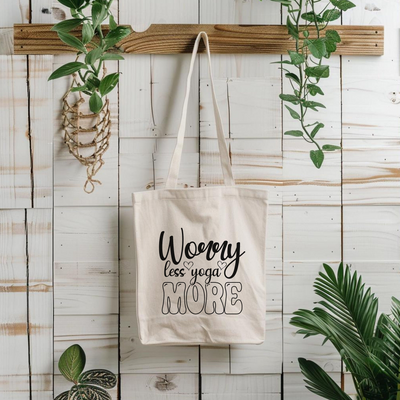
200	254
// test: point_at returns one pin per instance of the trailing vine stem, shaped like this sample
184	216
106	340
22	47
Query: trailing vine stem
304	69
92	43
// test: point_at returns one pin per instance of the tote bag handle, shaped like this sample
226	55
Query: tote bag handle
172	179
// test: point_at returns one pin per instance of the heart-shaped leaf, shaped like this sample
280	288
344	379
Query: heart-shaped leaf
72	362
317	157
295	57
67	69
320	71
108	83
116	36
95	104
100	377
316	47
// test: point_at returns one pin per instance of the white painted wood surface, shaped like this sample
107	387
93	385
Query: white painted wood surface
52	234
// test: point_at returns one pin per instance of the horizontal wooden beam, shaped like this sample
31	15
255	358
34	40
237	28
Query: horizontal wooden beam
224	39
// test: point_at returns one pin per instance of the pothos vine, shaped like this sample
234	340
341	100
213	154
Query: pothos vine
305	25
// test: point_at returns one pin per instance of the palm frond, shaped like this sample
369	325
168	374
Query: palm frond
319	382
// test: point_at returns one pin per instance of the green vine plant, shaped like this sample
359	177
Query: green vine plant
95	45
305	25
88	385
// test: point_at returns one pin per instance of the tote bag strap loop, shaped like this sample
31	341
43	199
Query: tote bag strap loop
223	149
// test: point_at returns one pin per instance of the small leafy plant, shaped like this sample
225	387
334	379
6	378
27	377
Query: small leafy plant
89	385
95	45
369	346
305	26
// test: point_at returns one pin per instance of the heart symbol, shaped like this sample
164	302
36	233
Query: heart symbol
221	264
188	264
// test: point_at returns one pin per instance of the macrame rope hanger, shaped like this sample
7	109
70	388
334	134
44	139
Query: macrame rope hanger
87	135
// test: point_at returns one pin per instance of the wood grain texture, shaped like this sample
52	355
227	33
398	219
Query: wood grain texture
224	39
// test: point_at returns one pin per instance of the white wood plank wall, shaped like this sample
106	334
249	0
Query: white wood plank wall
66	262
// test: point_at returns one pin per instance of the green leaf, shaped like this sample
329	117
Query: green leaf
330	46
292	29
343	5
316	47
314	89
100	377
320	71
293	113
87	33
331	15
290	97
333	35
67	25
330	147
87	392
108	83
116	36
306	34
72	3
72	362
312	104
95	104
93	55
111	56
294	133
293	77
78	88
63	396
319	382
113	24
317	157
93	81
316	129
71	40
311	17
295	57
67	69
99	14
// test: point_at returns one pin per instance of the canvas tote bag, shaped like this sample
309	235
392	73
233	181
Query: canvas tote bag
200	254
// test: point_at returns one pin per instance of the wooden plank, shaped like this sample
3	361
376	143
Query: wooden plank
39	230
265	358
15	152
305	185
241	387
371	233
15	368
371	172
96	292
224	39
41	125
160	386
312	233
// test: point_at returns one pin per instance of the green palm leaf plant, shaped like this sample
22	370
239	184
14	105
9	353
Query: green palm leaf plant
368	344
88	385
